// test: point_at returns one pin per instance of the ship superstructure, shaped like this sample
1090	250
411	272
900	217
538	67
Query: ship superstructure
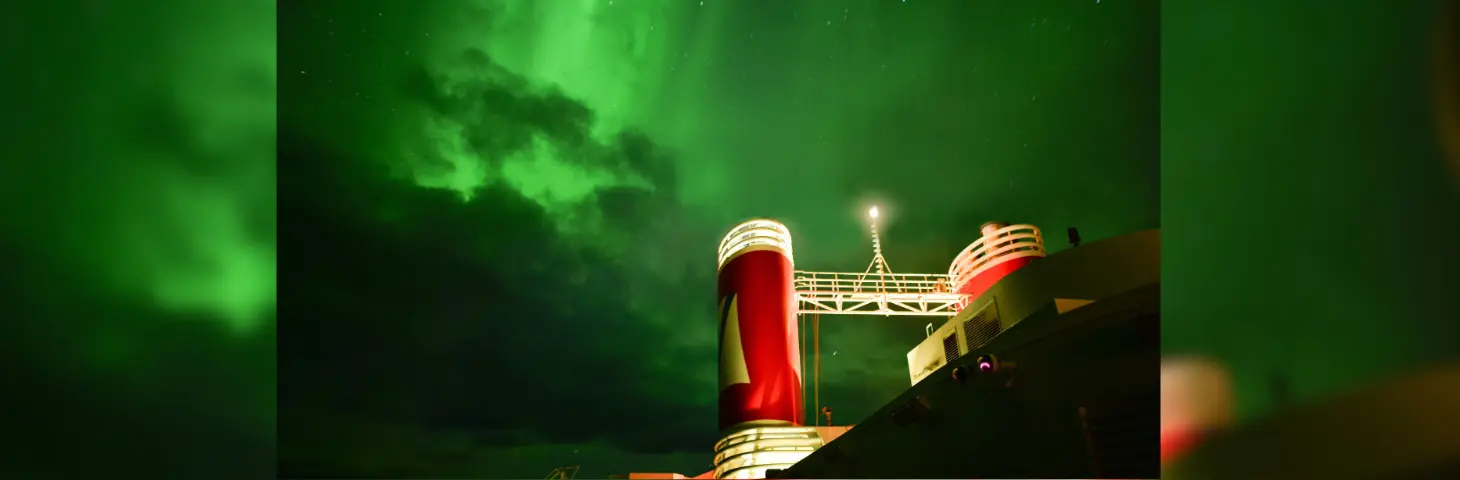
1006	302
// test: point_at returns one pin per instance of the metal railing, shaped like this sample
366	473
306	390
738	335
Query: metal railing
1014	241
875	294
753	233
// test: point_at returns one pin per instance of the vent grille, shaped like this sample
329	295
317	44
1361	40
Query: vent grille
981	328
950	348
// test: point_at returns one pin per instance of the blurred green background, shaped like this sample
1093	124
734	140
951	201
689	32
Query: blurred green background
1308	218
137	178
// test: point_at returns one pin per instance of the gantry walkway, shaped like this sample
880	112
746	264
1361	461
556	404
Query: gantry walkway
875	294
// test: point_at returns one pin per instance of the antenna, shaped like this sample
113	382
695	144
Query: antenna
878	262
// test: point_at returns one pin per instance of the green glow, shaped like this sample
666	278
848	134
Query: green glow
603	55
643	129
144	174
188	223
143	192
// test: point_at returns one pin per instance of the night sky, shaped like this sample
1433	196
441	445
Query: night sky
137	297
1308	216
502	216
488	241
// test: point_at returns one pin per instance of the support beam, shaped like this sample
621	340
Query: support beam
885	294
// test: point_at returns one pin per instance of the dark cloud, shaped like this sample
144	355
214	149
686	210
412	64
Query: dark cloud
503	114
479	320
501	111
112	380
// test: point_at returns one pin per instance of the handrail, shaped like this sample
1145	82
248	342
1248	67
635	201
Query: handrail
1006	243
753	233
837	282
885	294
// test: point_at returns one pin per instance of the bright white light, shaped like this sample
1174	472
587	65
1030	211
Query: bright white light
753	233
872	212
749	453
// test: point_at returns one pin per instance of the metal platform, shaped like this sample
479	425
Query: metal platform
887	294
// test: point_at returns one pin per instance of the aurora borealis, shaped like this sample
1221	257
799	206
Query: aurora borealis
549	181
496	220
138	176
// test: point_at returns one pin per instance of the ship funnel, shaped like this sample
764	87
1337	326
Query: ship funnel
990	229
1002	249
761	405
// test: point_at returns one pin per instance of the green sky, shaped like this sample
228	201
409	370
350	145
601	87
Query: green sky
495	220
631	135
139	177
1307	213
